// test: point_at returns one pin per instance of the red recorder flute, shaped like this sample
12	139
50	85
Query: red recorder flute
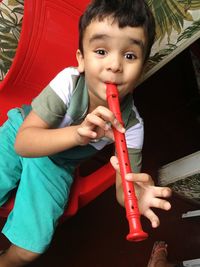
132	212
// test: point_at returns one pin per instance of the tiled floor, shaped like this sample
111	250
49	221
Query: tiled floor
95	237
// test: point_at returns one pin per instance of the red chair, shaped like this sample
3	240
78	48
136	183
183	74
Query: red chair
48	41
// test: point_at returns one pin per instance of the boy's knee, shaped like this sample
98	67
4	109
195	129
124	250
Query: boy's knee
22	255
27	256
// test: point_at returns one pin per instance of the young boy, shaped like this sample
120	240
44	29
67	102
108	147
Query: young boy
70	121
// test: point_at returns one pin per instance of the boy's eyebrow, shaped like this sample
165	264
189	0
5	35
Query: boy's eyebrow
98	36
138	42
135	41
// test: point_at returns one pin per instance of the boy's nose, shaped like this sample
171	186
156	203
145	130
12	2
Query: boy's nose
114	65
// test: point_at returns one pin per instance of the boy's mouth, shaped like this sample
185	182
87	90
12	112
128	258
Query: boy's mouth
113	82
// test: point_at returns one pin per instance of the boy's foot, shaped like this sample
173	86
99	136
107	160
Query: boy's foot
158	256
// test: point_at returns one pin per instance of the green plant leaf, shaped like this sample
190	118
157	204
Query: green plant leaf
170	15
13	2
10	28
7	37
190	31
18	10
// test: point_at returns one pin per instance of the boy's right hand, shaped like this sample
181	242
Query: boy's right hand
97	124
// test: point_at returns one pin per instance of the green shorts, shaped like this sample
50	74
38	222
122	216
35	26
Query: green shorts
42	191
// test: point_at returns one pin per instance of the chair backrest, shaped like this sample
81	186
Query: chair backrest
47	44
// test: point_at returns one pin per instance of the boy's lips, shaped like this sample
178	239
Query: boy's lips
109	81
113	82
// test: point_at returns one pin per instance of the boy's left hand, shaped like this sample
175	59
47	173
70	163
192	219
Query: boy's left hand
148	195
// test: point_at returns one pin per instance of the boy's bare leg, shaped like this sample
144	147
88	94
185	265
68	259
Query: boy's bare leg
17	257
159	256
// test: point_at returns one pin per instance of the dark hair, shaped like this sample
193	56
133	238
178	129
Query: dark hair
133	13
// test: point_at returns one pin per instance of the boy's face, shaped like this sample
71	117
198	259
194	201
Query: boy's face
111	55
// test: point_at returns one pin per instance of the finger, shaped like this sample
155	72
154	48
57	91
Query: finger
162	191
86	132
160	204
109	134
97	121
104	113
139	177
114	162
149	214
118	126
108	116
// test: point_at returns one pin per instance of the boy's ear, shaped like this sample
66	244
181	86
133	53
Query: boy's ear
80	59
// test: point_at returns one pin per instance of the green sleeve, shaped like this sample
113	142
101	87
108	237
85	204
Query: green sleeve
135	156
49	107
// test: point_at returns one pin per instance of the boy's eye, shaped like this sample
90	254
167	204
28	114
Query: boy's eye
130	56
100	52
